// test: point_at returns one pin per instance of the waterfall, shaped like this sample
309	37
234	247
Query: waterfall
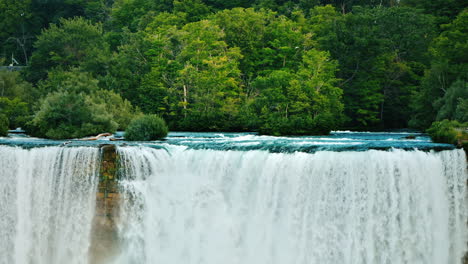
255	207
47	200
187	206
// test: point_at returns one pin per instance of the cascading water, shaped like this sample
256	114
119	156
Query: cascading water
255	207
235	199
47	202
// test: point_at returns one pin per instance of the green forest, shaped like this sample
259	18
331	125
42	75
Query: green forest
299	67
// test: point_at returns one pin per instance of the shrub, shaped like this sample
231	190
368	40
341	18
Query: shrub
70	115
3	125
447	131
146	127
122	110
16	110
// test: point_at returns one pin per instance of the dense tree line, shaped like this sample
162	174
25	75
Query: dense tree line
274	66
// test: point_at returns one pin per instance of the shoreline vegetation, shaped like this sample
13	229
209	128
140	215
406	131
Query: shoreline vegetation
273	67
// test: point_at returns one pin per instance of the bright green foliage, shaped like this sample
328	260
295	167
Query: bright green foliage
15	110
16	97
317	75
447	131
146	127
322	23
284	47
208	84
157	89
74	80
305	102
13	86
3	125
194	77
65	114
267	42
246	29
74	43
121	110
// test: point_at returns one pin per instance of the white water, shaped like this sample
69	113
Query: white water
212	207
231	207
47	200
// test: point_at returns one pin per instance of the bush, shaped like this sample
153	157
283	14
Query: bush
146	127
447	131
71	115
3	125
122	110
16	110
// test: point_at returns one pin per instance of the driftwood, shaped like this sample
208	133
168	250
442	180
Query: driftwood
97	137
102	135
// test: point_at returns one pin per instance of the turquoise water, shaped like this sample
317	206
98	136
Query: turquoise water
336	141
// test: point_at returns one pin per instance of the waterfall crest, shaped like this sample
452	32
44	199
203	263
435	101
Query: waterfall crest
207	206
47	200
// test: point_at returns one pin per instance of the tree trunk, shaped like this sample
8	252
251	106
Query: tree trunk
185	100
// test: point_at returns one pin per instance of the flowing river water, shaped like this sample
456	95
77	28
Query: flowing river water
239	199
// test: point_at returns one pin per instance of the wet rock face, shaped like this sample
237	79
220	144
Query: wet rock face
104	243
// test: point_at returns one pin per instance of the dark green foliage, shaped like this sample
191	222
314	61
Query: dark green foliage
145	128
3	125
15	30
130	13
195	9
127	67
461	112
66	114
444	10
74	43
443	88
446	131
382	53
451	104
75	107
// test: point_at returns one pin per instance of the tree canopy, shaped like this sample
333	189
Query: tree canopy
277	67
